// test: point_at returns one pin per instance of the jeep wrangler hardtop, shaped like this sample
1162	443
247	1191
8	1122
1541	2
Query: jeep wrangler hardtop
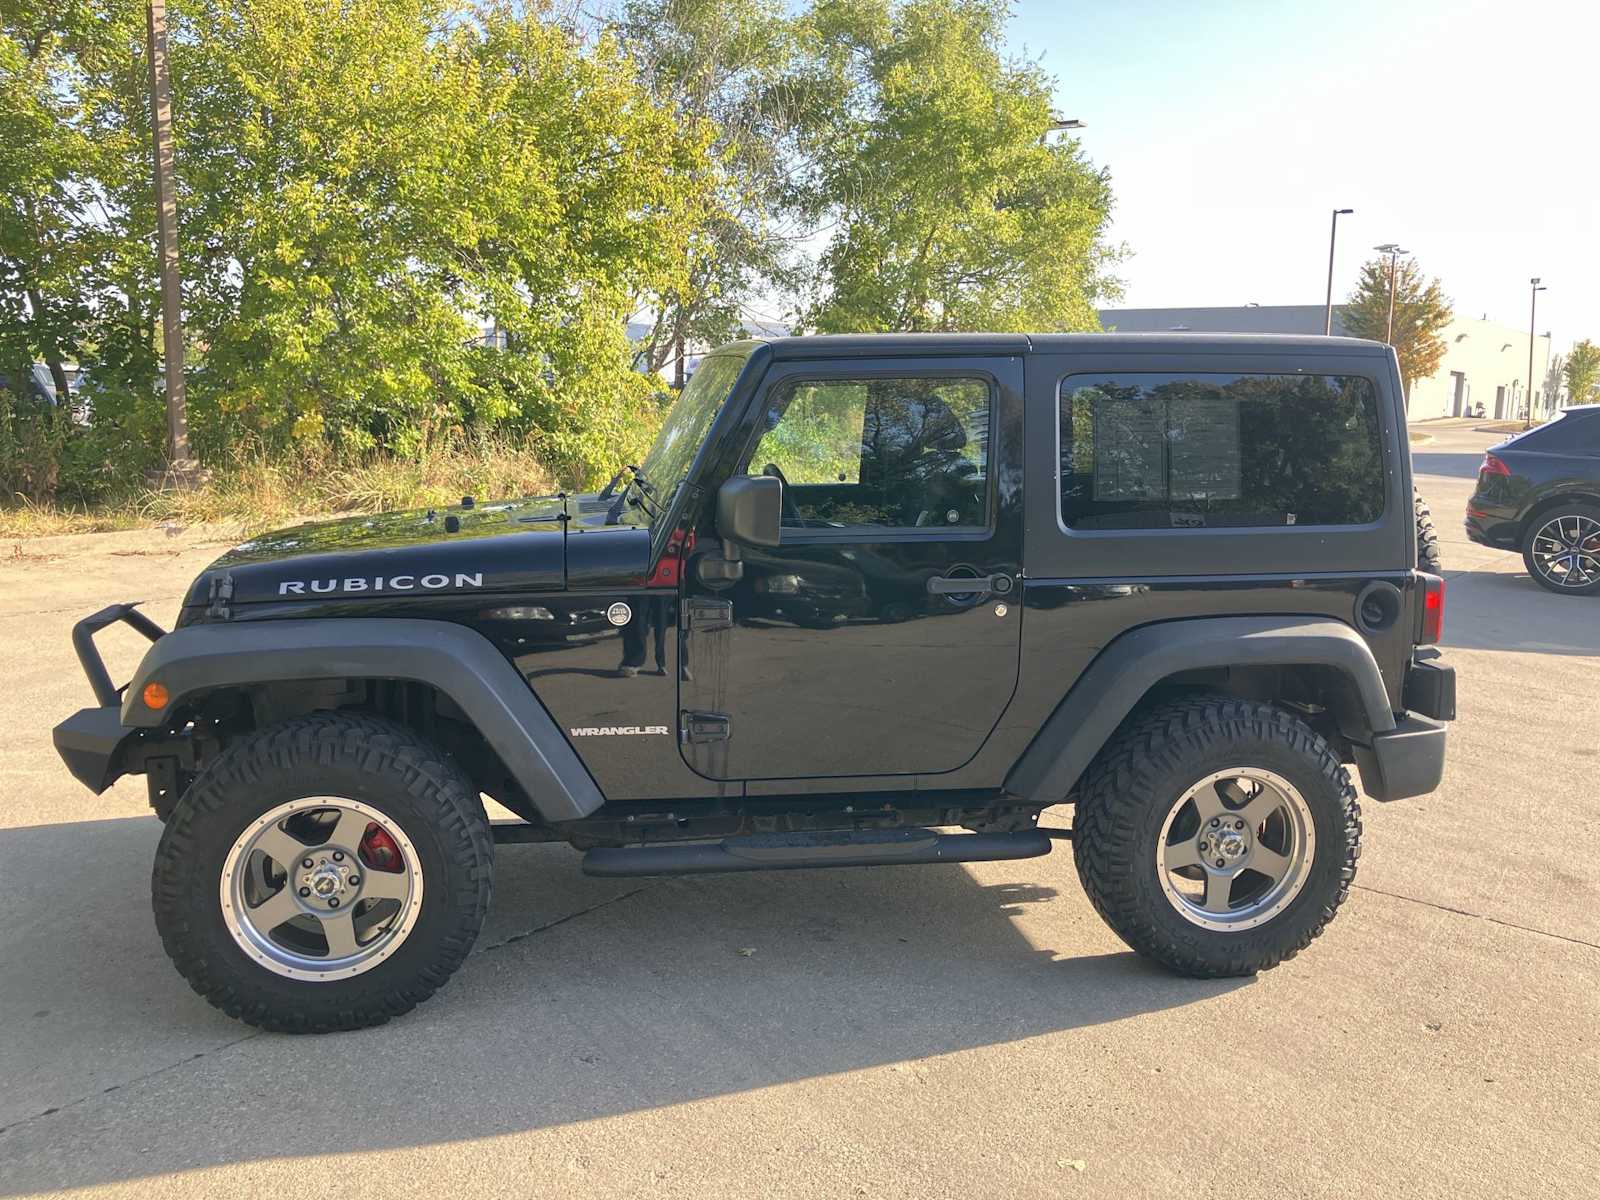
868	600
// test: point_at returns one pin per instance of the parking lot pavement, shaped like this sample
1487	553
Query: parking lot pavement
971	1031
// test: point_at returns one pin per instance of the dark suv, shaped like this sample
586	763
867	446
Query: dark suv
868	601
1539	492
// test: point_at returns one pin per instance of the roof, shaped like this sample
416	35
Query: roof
869	345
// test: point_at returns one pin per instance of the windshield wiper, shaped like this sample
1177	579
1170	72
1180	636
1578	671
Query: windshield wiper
644	499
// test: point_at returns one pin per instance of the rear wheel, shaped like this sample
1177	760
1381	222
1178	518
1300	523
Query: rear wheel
327	873
1217	836
1561	549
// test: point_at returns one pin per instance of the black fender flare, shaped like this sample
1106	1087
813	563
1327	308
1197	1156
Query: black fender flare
459	662
1134	662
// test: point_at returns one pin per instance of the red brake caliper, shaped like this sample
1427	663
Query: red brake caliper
379	851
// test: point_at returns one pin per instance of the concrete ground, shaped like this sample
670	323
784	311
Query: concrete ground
928	1032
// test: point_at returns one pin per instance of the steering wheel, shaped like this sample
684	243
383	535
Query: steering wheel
789	506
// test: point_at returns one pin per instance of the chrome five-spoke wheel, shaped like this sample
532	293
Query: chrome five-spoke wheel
321	888
1565	551
1235	849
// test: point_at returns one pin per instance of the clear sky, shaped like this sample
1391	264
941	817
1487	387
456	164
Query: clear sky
1468	132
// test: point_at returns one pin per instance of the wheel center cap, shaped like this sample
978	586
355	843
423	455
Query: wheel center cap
1230	844
326	881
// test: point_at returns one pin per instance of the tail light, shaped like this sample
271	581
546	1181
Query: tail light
1432	609
1494	466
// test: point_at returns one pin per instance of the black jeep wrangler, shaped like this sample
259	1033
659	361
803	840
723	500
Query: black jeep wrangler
867	601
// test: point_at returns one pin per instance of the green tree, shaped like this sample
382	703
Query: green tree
1421	313
75	209
741	67
950	206
1582	373
366	179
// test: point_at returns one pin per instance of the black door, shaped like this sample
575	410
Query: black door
881	636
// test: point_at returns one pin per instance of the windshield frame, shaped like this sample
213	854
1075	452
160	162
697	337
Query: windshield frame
689	424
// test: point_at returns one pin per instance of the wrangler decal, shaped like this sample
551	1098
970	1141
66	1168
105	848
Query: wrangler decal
618	730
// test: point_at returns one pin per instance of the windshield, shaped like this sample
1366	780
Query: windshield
686	425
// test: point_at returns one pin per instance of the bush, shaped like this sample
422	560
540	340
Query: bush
33	438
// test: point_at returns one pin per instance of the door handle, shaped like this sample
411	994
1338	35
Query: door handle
957	585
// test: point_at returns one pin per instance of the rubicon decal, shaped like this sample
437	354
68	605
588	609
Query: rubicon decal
394	583
618	731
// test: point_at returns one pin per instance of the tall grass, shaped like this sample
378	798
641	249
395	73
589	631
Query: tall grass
256	490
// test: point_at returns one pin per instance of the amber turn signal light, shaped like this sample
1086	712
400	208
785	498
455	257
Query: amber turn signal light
155	696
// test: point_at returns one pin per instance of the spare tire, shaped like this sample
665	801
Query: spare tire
1427	536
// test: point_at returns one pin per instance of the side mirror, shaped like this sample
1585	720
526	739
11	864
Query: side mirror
750	511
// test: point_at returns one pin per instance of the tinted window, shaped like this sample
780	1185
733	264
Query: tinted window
1568	432
905	452
1181	451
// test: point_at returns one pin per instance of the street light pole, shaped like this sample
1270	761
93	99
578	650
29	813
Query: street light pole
1533	310
1333	236
1394	252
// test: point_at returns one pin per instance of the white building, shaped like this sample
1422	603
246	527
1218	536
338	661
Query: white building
1485	363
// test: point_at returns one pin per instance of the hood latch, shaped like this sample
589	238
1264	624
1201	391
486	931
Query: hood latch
221	593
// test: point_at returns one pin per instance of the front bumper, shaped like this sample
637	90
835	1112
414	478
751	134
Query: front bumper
90	742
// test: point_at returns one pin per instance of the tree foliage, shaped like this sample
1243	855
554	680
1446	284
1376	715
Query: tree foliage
1421	313
950	206
364	185
364	177
740	66
1582	372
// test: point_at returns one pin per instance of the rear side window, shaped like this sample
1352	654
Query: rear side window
1143	450
1567	432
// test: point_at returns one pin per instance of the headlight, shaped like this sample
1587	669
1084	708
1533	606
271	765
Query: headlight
779	585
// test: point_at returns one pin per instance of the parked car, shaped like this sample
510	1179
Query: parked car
1539	492
1175	587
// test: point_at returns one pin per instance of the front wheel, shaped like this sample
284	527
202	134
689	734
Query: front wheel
327	873
1217	836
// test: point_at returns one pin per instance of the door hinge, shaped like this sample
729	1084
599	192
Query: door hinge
701	727
703	615
221	593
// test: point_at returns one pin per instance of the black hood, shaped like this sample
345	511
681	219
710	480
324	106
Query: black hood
497	547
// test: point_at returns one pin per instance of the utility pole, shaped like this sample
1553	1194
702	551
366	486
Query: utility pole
1533	310
1327	320
1394	252
181	468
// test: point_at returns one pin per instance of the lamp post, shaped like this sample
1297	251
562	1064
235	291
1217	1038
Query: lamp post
1533	309
1394	252
1333	236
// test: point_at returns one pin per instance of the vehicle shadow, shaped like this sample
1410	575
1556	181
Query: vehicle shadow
586	999
1500	610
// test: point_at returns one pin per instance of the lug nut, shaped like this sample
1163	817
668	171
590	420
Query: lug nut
355	880
338	856
1238	824
305	891
1204	845
1219	863
306	863
333	901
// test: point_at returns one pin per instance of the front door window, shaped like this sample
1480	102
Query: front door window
904	452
